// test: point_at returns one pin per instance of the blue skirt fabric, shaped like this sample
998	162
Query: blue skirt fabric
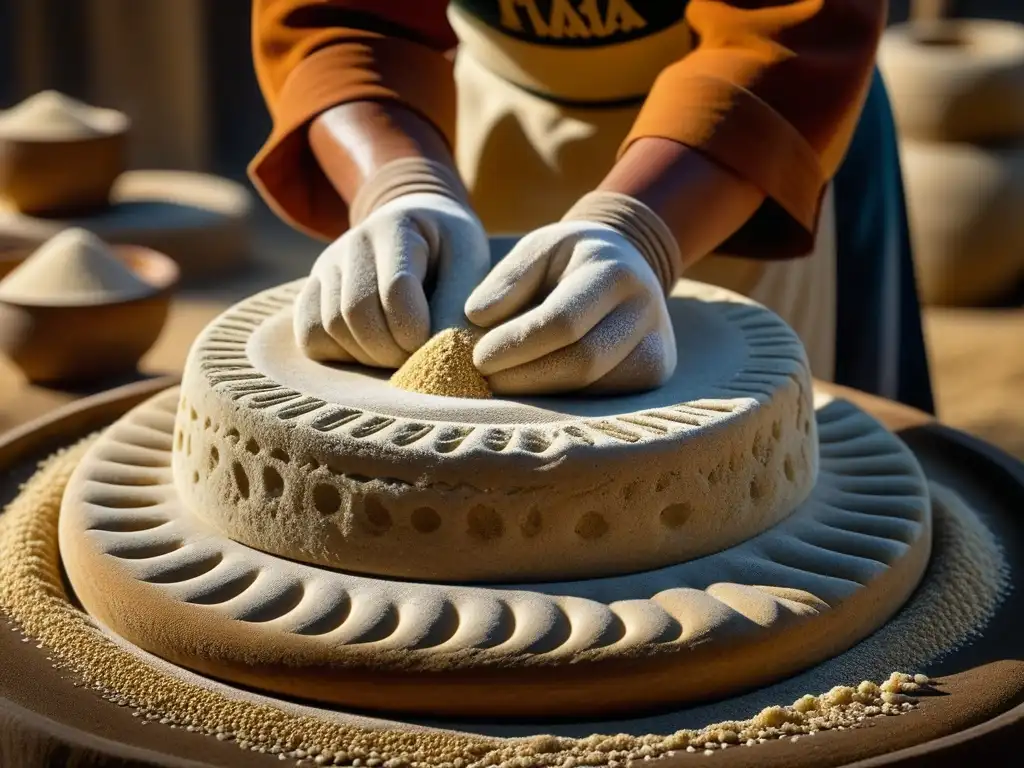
879	339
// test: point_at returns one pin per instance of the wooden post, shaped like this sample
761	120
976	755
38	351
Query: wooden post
929	21
929	11
149	60
31	48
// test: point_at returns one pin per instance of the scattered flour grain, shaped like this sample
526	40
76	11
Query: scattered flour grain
955	599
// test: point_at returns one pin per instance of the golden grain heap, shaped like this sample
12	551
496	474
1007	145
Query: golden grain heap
444	366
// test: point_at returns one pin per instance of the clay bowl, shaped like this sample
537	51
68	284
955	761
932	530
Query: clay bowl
60	176
72	343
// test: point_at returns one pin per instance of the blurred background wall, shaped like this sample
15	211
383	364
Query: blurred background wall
182	69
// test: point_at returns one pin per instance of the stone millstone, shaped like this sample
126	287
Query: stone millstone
378	480
833	571
334	466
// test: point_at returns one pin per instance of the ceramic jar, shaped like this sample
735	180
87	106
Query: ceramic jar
61	164
71	343
957	88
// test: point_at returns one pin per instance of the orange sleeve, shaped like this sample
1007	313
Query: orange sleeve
312	55
772	91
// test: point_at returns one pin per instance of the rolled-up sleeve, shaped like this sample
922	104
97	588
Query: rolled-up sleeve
773	91
312	55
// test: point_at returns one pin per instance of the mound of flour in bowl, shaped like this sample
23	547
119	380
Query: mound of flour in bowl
74	266
52	116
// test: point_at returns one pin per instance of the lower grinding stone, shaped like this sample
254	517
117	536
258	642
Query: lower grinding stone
815	584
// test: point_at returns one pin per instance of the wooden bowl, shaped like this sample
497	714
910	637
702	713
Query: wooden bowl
67	343
62	175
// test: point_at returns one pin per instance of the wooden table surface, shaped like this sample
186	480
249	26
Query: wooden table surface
977	362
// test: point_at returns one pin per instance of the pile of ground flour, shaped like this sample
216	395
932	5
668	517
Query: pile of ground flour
73	267
443	366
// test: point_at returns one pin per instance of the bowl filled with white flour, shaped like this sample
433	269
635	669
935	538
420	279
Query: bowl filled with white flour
78	309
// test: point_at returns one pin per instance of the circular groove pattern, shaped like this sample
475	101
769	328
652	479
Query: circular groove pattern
320	463
832	571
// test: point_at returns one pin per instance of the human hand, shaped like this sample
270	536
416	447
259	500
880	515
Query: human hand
599	319
366	299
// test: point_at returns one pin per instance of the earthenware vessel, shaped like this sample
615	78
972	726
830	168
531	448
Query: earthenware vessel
49	171
956	80
957	89
70	343
964	204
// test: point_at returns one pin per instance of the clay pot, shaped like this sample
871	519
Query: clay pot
74	343
956	80
60	176
966	209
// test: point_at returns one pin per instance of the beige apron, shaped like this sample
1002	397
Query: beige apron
526	160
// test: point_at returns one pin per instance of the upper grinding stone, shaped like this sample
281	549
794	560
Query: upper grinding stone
334	466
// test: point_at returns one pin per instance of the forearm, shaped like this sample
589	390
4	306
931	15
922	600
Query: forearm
312	56
701	202
772	92
351	142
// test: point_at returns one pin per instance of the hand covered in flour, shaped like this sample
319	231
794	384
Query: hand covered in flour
575	305
378	292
